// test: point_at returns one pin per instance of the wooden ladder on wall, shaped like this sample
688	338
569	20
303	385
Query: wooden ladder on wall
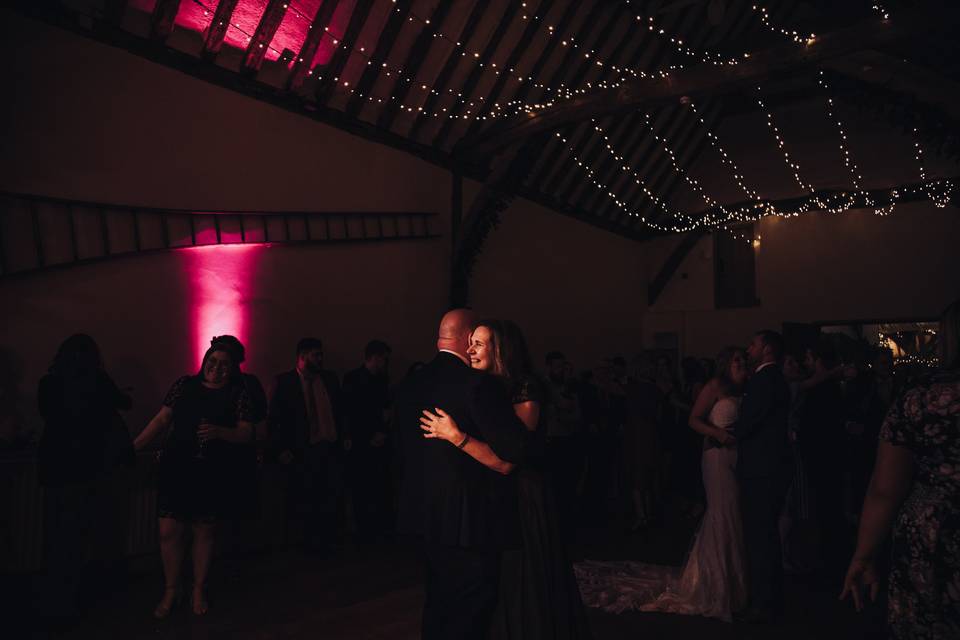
39	233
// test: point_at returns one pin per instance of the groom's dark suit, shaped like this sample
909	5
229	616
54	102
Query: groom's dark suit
465	512
764	469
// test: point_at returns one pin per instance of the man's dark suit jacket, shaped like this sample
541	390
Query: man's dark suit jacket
761	429
446	496
288	422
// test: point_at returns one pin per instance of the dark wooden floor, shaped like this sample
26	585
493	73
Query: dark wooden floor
373	592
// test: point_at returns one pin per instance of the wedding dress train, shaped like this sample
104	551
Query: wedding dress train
712	582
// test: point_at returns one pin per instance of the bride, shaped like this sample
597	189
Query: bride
712	583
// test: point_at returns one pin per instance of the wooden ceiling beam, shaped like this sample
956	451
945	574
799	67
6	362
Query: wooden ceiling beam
162	19
577	80
113	11
925	86
263	36
217	30
526	38
318	29
415	59
470	85
386	40
706	79
689	143
442	83
646	49
333	70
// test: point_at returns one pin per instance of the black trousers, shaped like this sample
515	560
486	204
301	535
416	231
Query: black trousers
316	483
370	481
461	592
761	500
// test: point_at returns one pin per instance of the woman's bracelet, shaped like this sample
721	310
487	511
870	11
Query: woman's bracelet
466	439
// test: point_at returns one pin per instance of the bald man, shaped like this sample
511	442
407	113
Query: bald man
465	513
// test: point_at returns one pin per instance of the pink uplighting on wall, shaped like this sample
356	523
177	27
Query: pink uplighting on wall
221	280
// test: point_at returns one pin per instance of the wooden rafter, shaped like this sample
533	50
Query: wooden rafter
442	82
684	135
576	80
388	36
893	74
665	180
646	55
521	47
563	25
468	87
304	60
162	18
595	159
217	30
263	36
610	169
331	74
415	58
707	79
113	11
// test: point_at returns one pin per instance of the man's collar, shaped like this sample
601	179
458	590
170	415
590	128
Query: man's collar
459	356
764	366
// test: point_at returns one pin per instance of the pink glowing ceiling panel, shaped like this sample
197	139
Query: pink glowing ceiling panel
196	15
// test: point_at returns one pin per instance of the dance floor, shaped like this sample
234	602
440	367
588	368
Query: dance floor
373	593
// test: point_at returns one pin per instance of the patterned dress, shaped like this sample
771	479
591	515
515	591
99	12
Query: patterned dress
925	577
204	483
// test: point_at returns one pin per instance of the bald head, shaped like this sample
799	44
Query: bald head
455	329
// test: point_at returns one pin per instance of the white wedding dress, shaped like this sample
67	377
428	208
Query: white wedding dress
712	582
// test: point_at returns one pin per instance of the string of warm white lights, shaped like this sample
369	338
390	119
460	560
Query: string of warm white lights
880	10
795	166
939	199
845	151
724	157
361	51
787	33
745	213
695	184
622	162
513	107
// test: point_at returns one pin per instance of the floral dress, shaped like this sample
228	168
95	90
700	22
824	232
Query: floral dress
925	576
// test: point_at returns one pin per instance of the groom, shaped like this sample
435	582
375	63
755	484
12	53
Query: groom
465	513
764	470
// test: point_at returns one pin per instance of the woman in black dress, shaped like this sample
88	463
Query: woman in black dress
208	420
78	402
539	598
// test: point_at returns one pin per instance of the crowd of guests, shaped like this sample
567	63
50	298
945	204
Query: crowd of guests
615	440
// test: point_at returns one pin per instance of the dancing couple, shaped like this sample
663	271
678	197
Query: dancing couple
733	570
474	490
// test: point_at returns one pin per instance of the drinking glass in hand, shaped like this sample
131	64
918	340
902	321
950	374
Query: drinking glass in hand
201	444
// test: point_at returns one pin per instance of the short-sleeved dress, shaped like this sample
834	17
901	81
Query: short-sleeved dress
199	483
539	597
925	576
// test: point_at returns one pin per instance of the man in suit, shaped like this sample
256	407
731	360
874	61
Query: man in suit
366	399
305	437
465	513
764	470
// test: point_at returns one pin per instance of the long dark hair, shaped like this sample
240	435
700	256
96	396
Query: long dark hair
511	358
722	375
78	356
